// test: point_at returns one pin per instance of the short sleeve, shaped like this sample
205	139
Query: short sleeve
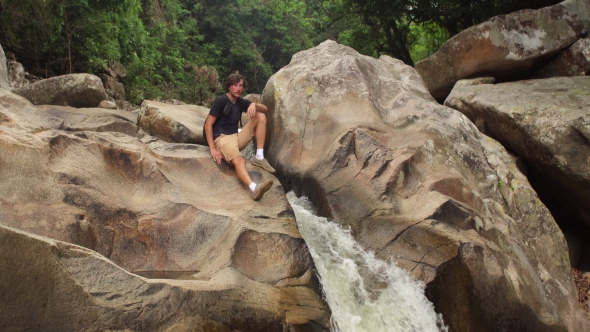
244	104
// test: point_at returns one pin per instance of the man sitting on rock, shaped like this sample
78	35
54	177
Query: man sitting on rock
221	131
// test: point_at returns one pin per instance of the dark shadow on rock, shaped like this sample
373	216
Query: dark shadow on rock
470	305
556	199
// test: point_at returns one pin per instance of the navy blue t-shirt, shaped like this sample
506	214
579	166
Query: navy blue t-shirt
227	125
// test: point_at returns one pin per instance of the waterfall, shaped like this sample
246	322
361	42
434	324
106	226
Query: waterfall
363	292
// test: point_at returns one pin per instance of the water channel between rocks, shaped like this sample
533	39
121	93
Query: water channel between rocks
364	293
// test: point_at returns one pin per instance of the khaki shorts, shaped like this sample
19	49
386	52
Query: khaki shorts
231	145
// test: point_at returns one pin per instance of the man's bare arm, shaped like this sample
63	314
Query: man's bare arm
256	107
217	157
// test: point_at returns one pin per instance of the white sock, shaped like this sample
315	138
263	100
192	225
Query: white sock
259	154
252	186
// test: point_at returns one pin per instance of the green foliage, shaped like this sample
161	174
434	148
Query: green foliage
457	15
255	37
428	37
181	49
409	30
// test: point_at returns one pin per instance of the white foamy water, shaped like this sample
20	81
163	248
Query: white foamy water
364	293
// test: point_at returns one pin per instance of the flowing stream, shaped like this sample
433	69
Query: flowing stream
364	293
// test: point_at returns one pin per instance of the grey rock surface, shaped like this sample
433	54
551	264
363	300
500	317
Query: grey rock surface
547	123
111	105
76	90
3	71
506	45
16	74
114	88
574	61
173	123
416	182
51	285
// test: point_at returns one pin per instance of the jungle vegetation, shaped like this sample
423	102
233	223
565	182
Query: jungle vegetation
182	49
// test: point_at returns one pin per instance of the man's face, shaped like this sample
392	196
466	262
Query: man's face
236	89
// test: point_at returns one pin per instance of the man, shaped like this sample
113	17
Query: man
221	131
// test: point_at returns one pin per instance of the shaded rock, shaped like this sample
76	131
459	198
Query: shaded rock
146	205
3	71
108	105
124	105
476	81
416	182
170	101
208	81
547	123
253	97
173	123
505	46
16	74
114	89
116	70
574	61
77	90
58	286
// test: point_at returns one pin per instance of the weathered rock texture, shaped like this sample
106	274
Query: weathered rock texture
51	285
547	123
505	46
3	71
146	205
120	114
253	97
111	105
574	61
173	123
418	183
116	70
76	90
114	89
16	74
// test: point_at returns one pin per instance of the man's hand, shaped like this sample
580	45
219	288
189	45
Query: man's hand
251	110
216	155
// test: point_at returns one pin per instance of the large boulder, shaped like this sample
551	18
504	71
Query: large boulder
574	61
147	206
505	46
50	285
173	123
76	90
3	71
547	123
417	183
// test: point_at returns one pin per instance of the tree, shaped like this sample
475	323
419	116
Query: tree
407	29
55	37
255	37
458	15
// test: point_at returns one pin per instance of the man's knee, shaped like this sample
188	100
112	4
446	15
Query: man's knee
239	161
261	118
258	120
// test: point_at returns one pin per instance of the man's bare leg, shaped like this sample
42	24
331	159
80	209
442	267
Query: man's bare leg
258	126
239	164
259	189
